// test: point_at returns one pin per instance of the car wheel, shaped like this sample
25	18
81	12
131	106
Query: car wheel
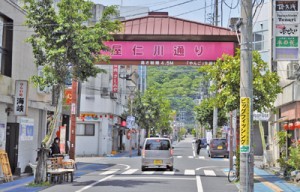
171	168
143	168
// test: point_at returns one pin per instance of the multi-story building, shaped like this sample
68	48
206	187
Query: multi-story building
105	98
23	109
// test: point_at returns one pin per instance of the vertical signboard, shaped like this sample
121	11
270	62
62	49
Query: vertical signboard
20	102
245	125
286	41
68	96
115	79
62	138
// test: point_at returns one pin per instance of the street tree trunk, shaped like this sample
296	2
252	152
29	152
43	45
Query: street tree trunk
43	152
40	175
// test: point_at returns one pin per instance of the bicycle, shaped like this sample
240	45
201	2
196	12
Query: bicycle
233	175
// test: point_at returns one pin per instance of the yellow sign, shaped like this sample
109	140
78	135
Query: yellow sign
245	125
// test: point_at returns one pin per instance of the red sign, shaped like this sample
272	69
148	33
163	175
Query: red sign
115	79
68	96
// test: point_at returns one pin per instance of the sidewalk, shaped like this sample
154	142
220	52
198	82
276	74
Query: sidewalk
264	180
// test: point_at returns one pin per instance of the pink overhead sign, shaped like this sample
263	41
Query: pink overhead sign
175	51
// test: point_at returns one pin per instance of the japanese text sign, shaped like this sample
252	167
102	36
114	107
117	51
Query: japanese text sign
245	125
198	51
286	33
115	79
68	96
20	102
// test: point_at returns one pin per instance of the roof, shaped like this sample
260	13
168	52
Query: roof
160	24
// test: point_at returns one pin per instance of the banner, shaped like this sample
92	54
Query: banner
245	125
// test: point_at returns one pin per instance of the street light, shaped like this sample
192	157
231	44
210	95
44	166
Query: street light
131	86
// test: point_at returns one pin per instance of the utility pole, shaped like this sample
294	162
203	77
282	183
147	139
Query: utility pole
215	113
216	12
246	103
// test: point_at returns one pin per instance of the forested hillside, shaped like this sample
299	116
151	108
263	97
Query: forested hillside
181	85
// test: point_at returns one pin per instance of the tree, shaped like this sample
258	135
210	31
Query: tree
204	114
65	47
180	85
226	75
152	111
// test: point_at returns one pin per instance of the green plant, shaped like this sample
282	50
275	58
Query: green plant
43	184
281	138
294	155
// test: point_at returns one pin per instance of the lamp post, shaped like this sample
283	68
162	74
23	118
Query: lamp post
131	86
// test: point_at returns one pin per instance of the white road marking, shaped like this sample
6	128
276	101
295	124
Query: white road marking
179	157
169	172
148	172
199	184
95	183
189	172
201	157
191	157
109	172
209	173
129	171
154	177
127	166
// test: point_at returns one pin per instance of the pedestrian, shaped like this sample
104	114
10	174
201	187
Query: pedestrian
198	146
55	147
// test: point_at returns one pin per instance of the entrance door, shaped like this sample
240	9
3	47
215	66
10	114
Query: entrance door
12	142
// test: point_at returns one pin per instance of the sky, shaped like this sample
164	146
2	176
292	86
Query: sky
194	10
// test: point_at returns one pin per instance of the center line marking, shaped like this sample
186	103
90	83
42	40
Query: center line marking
95	183
199	184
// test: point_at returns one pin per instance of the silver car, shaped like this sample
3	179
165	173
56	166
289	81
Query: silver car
157	153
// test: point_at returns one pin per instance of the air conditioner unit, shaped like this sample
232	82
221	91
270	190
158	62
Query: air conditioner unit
104	92
113	95
291	70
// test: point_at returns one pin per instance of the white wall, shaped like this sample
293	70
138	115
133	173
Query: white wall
89	145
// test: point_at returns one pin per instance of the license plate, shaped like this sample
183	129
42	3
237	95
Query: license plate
157	162
220	147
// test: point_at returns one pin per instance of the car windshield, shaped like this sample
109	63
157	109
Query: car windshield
219	142
157	144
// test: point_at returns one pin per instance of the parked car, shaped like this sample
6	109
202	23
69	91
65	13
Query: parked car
157	153
218	147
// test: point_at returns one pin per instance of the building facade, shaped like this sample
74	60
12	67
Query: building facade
23	108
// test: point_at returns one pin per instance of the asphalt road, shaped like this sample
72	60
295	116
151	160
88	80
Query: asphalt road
191	173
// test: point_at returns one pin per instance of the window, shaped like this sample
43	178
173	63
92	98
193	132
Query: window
258	40
85	129
6	34
157	144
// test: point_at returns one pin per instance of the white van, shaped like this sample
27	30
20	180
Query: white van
157	153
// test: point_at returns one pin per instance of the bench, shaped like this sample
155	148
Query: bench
59	170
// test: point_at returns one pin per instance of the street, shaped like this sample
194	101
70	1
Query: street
191	174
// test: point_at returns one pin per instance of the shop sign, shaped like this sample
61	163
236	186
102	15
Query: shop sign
286	6
286	30
286	54
286	41
286	18
20	102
